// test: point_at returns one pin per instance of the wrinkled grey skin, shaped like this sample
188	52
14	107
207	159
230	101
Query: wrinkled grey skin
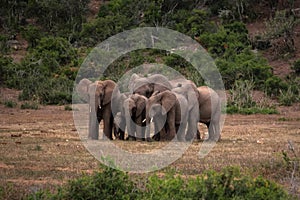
98	95
147	85
118	109
204	106
171	106
189	90
134	109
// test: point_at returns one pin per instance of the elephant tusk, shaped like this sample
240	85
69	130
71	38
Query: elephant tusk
100	107
151	120
90	109
144	121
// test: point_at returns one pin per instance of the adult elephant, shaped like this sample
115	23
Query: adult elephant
210	111
98	94
170	111
189	90
134	109
117	106
147	85
204	106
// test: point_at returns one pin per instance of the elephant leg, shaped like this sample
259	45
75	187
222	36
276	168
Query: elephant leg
180	131
139	128
93	126
193	119
122	129
144	131
160	128
214	131
192	129
171	132
156	135
108	122
131	130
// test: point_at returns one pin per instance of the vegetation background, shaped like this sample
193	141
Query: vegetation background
255	45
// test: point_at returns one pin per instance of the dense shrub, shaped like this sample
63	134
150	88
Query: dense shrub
274	85
241	100
3	44
5	68
42	74
32	35
237	9
244	66
230	46
113	184
53	53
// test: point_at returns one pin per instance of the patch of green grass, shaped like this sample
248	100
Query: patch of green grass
10	104
30	105
38	148
251	110
68	108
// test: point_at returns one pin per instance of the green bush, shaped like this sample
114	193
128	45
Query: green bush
288	97
241	101
4	48
6	67
109	184
274	85
46	74
53	53
230	47
114	184
10	103
32	34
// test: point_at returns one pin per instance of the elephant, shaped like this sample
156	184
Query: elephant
204	106
147	85
189	90
119	126
210	111
117	107
98	94
169	111
134	109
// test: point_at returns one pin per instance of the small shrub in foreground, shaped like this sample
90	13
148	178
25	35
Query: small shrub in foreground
114	184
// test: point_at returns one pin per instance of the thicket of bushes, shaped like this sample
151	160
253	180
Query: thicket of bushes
114	184
47	72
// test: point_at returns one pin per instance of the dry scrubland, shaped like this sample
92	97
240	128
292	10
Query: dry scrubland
41	148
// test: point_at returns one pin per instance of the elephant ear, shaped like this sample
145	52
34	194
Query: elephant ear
108	88
192	95
168	100
82	89
132	81
140	104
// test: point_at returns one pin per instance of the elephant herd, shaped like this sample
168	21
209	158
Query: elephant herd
174	107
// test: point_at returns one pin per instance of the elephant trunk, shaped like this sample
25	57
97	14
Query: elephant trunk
93	124
129	123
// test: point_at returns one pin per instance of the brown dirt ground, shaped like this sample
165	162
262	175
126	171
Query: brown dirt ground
41	148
